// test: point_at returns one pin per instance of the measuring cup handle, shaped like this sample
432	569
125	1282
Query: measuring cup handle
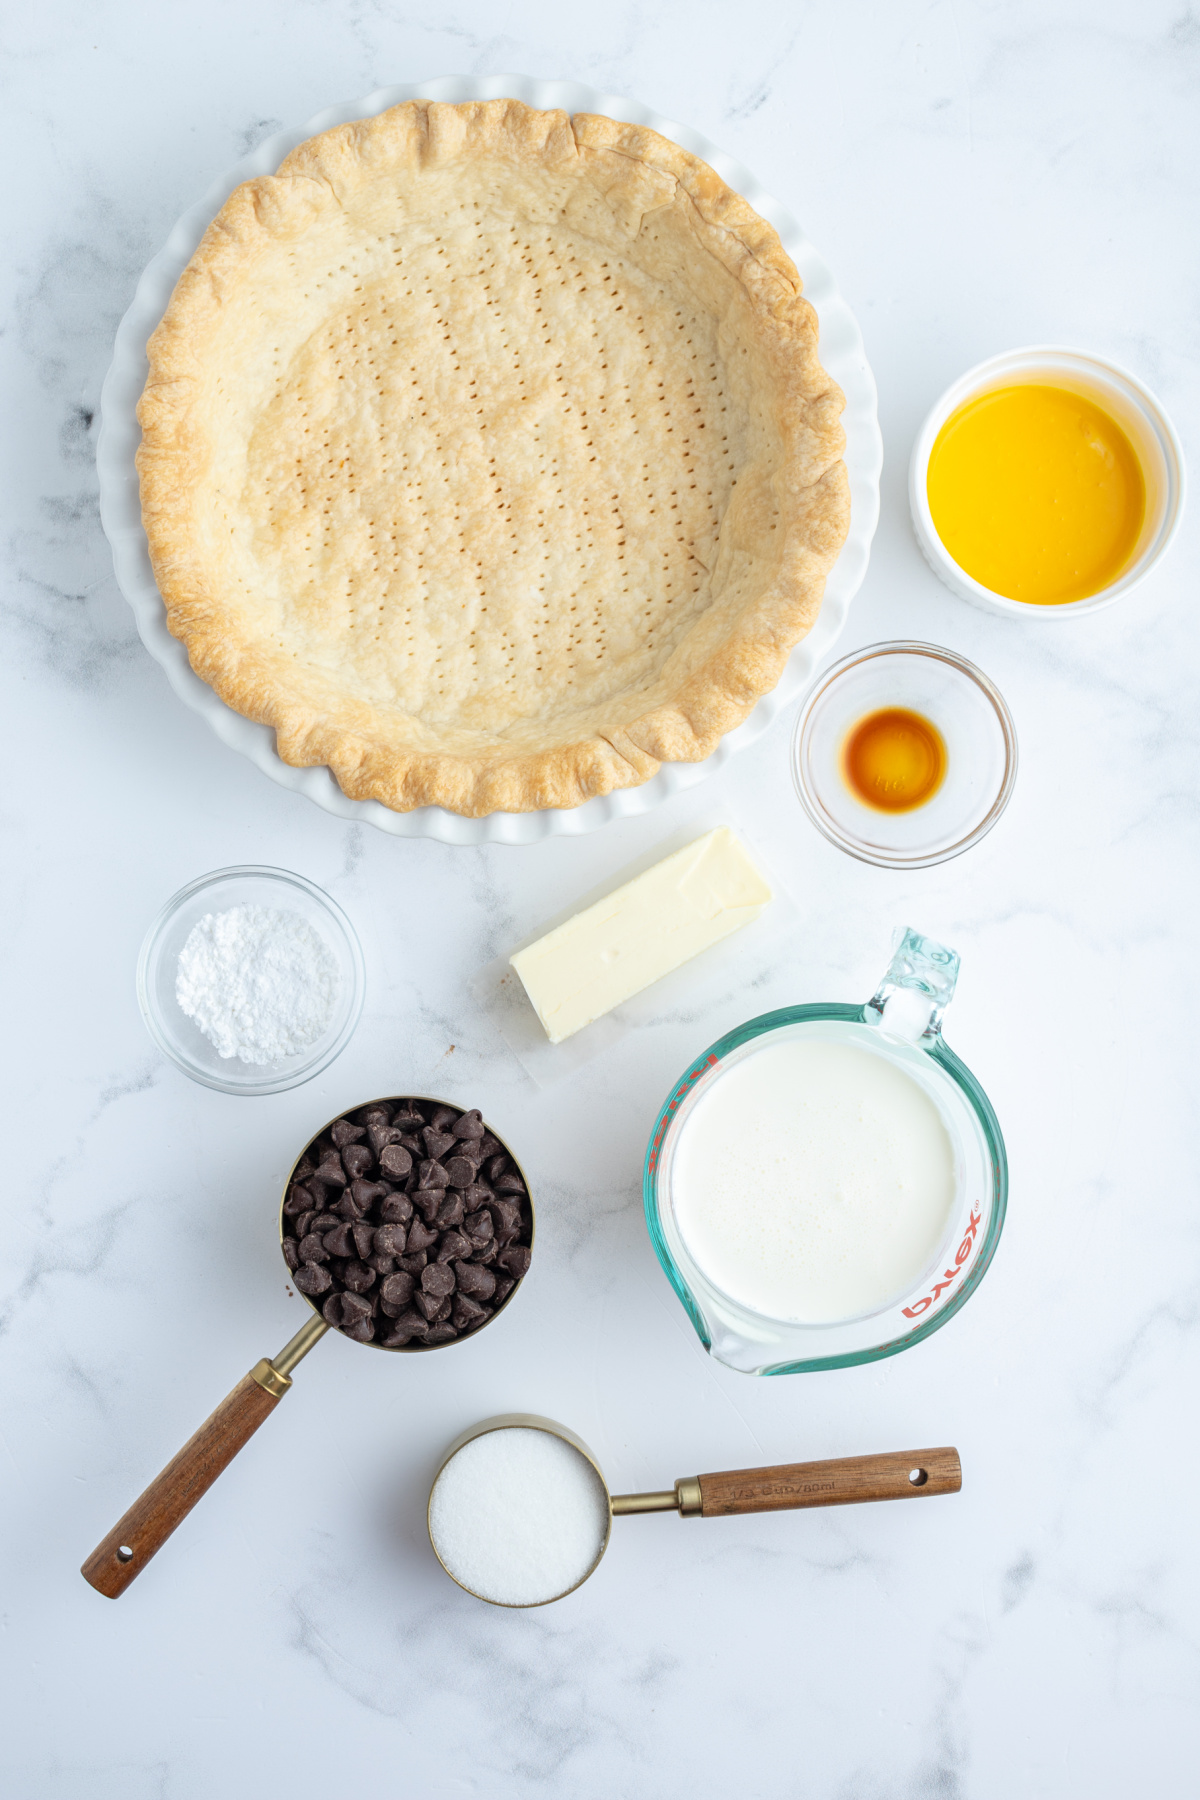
893	1475
171	1496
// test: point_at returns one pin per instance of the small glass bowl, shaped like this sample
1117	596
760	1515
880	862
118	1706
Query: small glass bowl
1131	404
981	753
181	1038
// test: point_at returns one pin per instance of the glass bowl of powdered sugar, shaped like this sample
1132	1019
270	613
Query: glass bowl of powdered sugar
251	980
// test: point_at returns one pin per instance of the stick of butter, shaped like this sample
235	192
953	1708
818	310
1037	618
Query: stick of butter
614	949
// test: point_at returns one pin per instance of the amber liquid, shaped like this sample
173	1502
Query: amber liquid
894	760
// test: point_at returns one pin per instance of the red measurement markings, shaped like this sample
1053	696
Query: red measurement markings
962	1256
677	1098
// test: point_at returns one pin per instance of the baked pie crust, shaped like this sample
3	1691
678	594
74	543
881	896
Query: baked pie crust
487	457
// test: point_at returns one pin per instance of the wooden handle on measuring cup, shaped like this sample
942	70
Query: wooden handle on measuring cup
892	1475
171	1496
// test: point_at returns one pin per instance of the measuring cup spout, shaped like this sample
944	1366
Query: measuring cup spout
169	1499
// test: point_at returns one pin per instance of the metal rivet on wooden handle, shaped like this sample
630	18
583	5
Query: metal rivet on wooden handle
892	1475
168	1500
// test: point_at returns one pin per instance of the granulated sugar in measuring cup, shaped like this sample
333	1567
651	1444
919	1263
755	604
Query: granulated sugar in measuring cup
520	1514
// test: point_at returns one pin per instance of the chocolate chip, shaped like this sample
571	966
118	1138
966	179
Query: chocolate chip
433	1175
347	1207
343	1132
471	1279
503	1290
311	1280
300	1200
437	1142
363	1233
486	1252
408	1117
441	1334
395	1162
478	1226
358	1277
442	1117
506	1217
291	1253
514	1261
357	1159
339	1241
414	1262
412	1322
397	1336
396	1292
312	1249
469	1126
460	1171
331	1171
412	1144
397	1209
389	1240
304	1223
509	1184
367	1194
350	1313
437	1281
466	1313
495	1166
428	1202
379	1114
382	1135
477	1195
382	1265
450	1212
452	1246
489	1145
420	1237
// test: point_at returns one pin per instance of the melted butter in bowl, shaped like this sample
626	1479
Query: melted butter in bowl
1037	493
1044	483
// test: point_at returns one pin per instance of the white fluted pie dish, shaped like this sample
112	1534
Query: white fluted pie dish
841	354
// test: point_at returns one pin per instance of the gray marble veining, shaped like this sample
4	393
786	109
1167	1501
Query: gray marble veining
979	177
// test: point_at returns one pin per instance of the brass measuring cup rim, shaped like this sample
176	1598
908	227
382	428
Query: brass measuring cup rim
420	1100
526	1422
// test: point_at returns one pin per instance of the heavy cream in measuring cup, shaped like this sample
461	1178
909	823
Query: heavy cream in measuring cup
813	1181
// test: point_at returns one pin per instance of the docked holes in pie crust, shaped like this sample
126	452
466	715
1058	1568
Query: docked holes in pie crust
488	458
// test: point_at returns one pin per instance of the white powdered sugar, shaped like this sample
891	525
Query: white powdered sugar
261	984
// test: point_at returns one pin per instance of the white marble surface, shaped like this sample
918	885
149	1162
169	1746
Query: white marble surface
979	176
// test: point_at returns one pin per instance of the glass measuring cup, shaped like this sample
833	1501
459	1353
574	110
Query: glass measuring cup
121	1556
902	1023
502	1511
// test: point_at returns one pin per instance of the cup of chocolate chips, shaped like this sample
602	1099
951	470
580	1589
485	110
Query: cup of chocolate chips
407	1223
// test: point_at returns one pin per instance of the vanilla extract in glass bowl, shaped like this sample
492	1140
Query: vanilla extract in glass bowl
904	755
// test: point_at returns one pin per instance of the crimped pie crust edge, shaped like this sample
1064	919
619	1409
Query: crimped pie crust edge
714	698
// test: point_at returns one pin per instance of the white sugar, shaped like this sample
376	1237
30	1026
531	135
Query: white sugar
518	1516
261	984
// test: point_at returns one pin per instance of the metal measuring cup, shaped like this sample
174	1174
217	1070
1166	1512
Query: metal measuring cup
149	1522
844	1481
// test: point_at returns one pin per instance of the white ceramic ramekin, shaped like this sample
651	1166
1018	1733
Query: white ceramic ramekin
1135	410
